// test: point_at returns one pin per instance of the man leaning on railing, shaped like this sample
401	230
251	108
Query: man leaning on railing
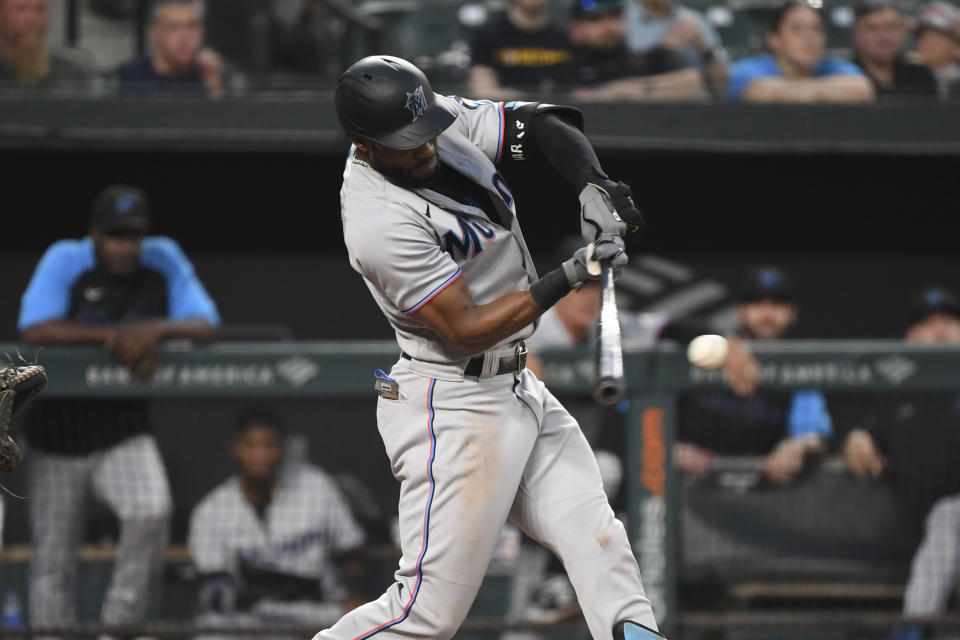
125	291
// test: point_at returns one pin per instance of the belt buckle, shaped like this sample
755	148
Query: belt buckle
521	357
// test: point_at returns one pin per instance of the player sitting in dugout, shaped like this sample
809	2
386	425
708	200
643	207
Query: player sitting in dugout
795	70
911	441
277	541
785	428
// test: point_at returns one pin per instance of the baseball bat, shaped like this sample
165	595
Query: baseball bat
610	385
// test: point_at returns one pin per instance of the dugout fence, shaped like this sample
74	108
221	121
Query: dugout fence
810	560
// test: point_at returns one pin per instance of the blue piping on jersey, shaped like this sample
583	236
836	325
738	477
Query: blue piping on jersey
432	294
426	521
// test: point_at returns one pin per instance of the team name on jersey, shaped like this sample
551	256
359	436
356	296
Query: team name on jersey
467	242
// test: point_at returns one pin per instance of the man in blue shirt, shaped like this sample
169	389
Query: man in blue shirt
126	291
795	70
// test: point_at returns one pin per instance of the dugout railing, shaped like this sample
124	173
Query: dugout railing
656	378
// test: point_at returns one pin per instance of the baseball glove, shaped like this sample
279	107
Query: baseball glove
18	386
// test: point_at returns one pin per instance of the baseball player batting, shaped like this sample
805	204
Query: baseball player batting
473	437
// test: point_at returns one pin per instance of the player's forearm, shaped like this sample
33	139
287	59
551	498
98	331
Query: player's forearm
686	84
837	88
195	329
67	332
481	327
567	150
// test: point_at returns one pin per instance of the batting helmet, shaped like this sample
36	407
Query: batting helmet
388	100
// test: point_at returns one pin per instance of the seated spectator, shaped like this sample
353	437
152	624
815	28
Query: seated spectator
607	70
522	50
938	44
179	63
652	24
795	69
912	441
270	542
126	292
25	60
785	428
878	32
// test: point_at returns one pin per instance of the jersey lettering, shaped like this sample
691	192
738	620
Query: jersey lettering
467	244
501	186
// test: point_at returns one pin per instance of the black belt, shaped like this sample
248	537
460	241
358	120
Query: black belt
508	364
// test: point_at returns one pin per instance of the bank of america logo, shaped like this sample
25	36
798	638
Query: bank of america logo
298	371
896	369
417	103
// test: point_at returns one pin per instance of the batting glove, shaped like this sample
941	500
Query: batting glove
607	207
607	248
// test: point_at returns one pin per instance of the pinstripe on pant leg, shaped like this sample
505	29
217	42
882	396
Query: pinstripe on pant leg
58	487
130	477
933	574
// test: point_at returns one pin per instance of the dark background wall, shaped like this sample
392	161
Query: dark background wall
860	232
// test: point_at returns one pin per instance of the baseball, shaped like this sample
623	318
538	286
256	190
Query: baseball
708	351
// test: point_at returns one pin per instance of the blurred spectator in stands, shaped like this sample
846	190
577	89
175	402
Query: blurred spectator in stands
785	428
521	50
126	292
665	23
938	43
607	70
25	60
912	440
179	62
795	70
272	542
878	33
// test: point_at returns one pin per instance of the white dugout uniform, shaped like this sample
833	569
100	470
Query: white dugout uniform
303	527
471	451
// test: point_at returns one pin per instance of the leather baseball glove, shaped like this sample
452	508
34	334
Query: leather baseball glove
18	386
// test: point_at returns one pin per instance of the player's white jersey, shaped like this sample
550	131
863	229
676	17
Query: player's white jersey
306	524
409	245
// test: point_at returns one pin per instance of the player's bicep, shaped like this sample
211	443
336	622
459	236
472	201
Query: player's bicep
187	297
405	262
504	131
47	296
445	312
207	542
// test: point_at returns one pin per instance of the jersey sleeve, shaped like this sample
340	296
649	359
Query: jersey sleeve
206	540
808	415
742	74
840	67
345	533
187	296
47	296
501	130
405	263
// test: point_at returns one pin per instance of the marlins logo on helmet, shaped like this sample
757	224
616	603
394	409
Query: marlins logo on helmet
417	103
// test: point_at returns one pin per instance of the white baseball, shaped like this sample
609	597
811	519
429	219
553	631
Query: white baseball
708	351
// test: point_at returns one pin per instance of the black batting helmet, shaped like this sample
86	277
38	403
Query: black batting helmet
388	100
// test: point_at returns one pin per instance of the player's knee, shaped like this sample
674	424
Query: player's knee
152	521
440	626
629	630
944	513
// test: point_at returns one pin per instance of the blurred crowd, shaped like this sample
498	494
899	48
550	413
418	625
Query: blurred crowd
793	51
